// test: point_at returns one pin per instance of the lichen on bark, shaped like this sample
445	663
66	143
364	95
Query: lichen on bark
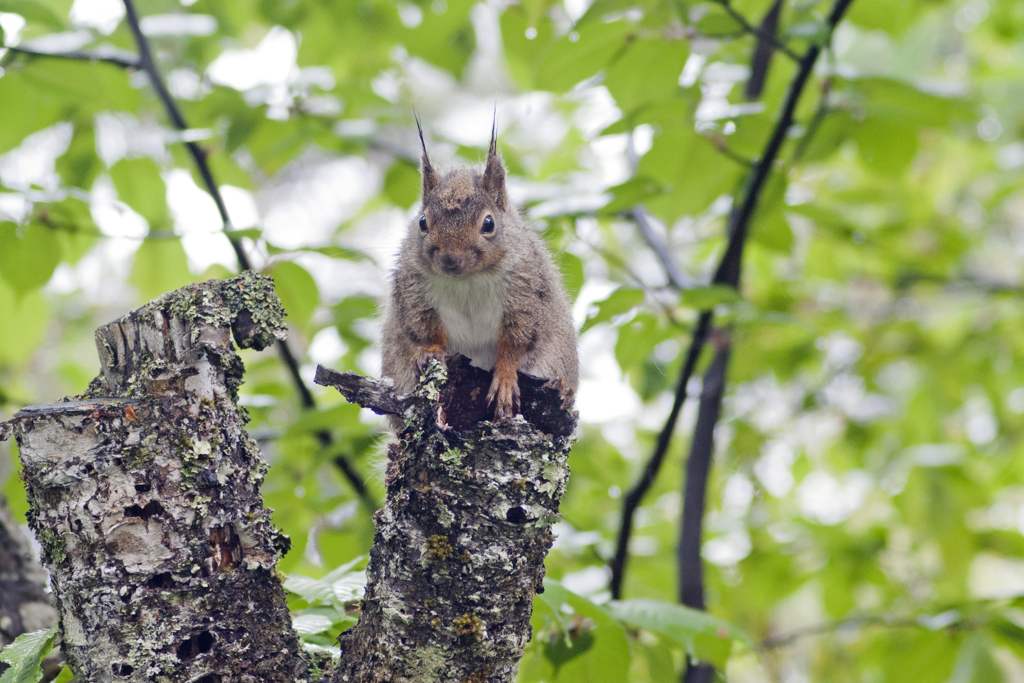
144	495
459	549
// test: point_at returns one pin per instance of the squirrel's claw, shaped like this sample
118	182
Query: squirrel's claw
566	393
505	397
425	353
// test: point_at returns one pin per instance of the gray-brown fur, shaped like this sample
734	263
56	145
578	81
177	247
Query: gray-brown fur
492	295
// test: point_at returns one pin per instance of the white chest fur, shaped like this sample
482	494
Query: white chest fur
470	311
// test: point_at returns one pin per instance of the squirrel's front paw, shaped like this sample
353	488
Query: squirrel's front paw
425	353
505	397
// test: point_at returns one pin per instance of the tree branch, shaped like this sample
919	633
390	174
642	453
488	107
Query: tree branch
635	495
147	504
722	148
754	30
698	465
123	61
458	554
660	248
25	605
178	120
199	157
762	59
727	273
786	639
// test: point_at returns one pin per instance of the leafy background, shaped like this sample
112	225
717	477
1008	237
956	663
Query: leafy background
866	501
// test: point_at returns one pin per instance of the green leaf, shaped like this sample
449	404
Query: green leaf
25	654
580	55
717	22
28	314
310	590
704	637
560	651
297	290
65	675
620	301
814	31
636	190
769	226
648	71
71	219
51	90
27	260
692	172
33	11
160	266
310	624
140	185
637	339
80	165
887	145
891	17
445	37
601	650
522	53
707	298
402	184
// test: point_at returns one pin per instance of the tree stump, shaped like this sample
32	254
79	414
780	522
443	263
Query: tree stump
144	495
459	549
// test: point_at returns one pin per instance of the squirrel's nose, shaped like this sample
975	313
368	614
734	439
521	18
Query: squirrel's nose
451	262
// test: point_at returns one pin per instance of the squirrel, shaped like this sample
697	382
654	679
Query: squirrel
473	278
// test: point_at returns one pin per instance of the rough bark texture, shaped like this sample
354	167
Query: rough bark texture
459	549
24	604
144	495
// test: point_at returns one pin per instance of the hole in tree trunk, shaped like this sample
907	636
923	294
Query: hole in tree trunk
195	646
152	508
516	515
161	581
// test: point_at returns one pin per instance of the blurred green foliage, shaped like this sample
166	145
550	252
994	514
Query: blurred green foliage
866	503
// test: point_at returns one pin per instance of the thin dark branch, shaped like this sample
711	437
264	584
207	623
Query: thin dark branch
178	120
813	126
698	672
722	148
634	278
324	436
199	155
786	639
632	499
125	62
727	273
660	248
761	61
698	465
754	30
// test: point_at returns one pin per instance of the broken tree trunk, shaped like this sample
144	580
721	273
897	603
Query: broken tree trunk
459	549
145	497
24	604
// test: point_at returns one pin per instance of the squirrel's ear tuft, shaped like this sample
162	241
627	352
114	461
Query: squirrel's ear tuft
493	181
427	171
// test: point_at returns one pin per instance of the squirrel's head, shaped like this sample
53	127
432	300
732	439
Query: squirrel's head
465	214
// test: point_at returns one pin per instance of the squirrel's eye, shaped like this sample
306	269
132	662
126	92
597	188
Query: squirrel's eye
423	223
488	226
